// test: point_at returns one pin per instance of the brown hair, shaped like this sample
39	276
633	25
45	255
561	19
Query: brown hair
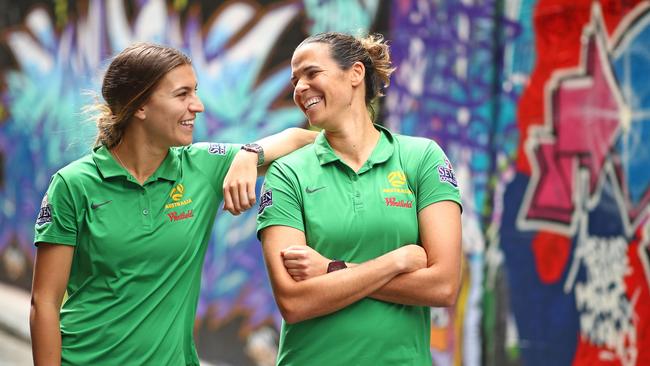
372	51
128	83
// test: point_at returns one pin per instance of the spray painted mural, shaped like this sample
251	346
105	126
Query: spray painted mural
540	105
574	229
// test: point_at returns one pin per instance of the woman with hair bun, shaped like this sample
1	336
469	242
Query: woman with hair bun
361	229
125	229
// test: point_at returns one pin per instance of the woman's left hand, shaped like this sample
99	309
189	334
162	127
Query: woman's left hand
239	184
302	262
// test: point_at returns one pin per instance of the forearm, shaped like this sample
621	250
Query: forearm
429	286
45	334
438	283
282	143
326	294
424	287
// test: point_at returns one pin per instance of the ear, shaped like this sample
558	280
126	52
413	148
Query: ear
140	113
357	73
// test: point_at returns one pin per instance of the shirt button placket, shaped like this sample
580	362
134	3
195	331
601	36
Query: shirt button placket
145	208
357	203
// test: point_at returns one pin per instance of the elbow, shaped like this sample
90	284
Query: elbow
444	295
35	309
34	305
302	136
292	311
32	311
449	296
40	307
291	317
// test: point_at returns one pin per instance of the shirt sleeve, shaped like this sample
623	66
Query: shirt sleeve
280	203
56	221
436	178
214	159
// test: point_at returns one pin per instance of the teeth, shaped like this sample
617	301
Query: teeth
311	102
188	122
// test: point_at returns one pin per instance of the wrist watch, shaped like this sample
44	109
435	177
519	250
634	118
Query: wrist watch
335	265
255	148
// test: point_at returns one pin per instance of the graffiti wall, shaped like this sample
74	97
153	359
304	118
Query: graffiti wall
540	104
574	226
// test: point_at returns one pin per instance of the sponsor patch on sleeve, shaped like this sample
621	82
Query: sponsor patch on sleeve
217	149
266	200
446	173
44	213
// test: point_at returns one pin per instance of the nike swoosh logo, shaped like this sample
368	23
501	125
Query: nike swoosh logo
96	205
313	190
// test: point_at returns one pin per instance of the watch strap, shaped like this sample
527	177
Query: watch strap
255	148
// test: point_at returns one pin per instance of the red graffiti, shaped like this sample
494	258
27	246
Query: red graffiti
551	255
584	107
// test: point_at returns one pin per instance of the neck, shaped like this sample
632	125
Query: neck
140	160
354	140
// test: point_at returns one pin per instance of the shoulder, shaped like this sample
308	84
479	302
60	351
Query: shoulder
80	169
418	148
415	143
206	149
206	155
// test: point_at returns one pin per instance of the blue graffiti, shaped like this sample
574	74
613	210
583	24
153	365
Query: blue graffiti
628	62
447	85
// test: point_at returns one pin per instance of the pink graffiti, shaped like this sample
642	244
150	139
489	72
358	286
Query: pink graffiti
584	107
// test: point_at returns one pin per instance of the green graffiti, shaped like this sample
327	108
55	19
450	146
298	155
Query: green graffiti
354	17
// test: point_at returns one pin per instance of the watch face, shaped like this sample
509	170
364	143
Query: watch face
253	148
335	266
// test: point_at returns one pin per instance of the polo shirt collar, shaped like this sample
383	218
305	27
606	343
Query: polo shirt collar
384	149
382	152
108	167
324	151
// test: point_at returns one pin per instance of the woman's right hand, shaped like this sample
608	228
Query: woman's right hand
302	262
239	183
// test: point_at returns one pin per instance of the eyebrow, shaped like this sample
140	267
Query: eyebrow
184	88
303	70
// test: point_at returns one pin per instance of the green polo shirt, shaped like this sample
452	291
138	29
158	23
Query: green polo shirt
139	250
355	217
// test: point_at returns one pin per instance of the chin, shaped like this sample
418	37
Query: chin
314	122
183	142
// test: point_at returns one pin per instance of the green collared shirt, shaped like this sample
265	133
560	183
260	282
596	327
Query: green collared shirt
139	249
355	217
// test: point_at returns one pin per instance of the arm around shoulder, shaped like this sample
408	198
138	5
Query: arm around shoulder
239	183
285	142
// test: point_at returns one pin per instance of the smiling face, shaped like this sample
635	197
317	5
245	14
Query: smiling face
322	90
168	115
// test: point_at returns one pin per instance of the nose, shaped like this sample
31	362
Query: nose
196	106
300	88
